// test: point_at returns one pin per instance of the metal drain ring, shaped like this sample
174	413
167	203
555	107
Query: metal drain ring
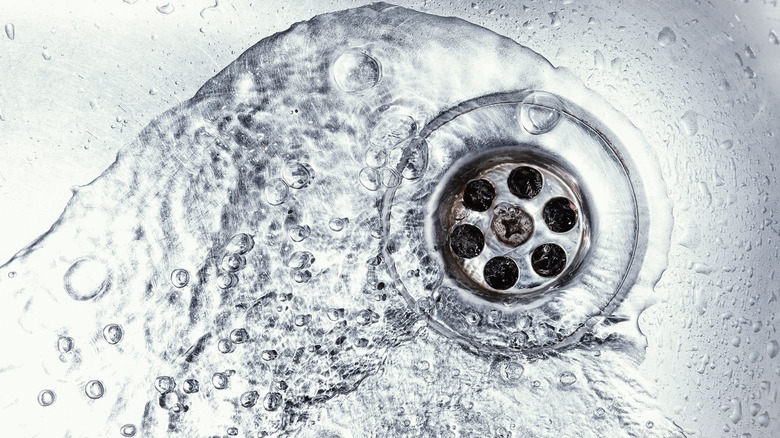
488	133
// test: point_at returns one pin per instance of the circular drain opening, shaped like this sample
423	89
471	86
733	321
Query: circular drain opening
521	223
512	228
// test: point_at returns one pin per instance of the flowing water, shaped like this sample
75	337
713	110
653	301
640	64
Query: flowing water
382	222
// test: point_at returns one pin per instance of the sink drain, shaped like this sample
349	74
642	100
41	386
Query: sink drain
516	228
524	224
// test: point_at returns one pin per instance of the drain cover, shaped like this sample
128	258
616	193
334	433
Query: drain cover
523	226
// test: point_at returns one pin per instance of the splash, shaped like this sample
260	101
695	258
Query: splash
228	274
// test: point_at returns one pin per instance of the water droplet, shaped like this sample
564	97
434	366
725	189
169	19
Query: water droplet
773	37
555	20
598	60
46	397
153	91
540	112
226	280
164	384
749	52
233	262
191	386
268	355
113	333
166	8
772	349
763	419
337	224
225	346
128	430
10	31
94	389
272	401
46	55
130	2
389	132
296	175
567	378
240	243
65	344
300	260
203	11
369	178
689	122
666	37
276	191
415	158
356	71
239	336
219	380
86	279
299	233
180	278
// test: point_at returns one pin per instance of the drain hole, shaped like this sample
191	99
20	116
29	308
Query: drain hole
478	195
560	215
548	260
512	225
467	241
525	182
501	273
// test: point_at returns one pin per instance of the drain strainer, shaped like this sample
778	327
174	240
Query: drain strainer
523	226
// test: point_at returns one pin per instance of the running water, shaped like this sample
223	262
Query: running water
230	272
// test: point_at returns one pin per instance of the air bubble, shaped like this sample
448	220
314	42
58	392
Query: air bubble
226	280
225	346
337	224
170	401
65	344
479	195
232	262
268	355
540	113
299	233
166	9
240	243
272	401
548	260
113	333
376	157
128	430
356	71
46	397
567	378
392	130
501	273
86	279
666	37
164	384
249	399
239	336
560	215
94	389
190	386
296	175
276	191
219	380
467	241
525	182
300	260
180	277
232	431
511	371
11	274
369	178
335	314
